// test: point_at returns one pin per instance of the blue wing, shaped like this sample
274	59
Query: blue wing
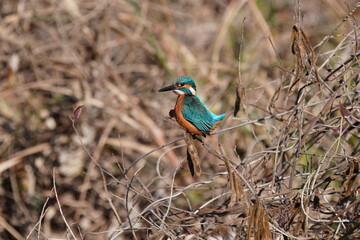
195	112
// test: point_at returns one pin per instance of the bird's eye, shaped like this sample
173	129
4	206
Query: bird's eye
182	84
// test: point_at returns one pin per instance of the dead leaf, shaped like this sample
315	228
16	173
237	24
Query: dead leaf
77	111
304	57
259	222
351	174
238	99
192	156
347	115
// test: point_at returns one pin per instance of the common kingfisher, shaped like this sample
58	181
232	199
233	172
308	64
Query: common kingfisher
190	112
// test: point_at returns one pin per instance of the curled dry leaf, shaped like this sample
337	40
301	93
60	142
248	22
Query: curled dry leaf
351	174
304	57
238	100
190	162
77	111
347	115
237	192
259	222
192	155
316	201
233	198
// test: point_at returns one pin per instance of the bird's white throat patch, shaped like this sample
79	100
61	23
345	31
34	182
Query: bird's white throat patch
179	92
193	91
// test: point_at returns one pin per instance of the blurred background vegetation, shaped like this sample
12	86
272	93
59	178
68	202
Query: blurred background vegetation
112	57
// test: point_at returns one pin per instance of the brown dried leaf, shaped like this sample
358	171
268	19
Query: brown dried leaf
250	222
190	162
237	187
316	199
294	35
351	174
192	156
296	210
300	223
293	212
260	221
312	61
233	197
302	49
238	99
266	234
297	48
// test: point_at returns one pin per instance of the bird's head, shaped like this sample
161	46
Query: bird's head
183	85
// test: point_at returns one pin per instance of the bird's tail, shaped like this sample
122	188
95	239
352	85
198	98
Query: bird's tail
216	120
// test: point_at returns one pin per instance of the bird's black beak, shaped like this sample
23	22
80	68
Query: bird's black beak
168	88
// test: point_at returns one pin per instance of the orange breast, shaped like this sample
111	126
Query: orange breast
181	120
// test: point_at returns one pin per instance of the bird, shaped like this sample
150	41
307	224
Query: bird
190	112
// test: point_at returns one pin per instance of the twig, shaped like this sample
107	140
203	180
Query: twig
59	205
19	156
322	112
150	152
170	197
127	202
10	229
43	212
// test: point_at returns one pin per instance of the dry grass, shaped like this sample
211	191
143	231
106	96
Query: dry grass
285	167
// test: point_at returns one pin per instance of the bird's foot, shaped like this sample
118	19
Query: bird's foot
197	137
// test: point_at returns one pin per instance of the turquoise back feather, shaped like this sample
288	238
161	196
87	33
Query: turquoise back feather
196	112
